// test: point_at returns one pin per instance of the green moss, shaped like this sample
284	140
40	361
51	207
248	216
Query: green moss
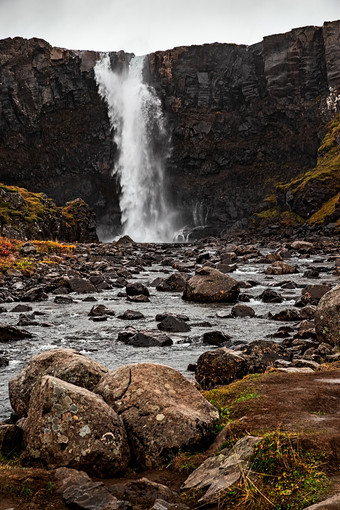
290	219
268	214
227	398
326	210
32	209
328	165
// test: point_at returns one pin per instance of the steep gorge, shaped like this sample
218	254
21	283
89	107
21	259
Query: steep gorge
241	118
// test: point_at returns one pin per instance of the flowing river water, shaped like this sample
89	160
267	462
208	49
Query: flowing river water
71	326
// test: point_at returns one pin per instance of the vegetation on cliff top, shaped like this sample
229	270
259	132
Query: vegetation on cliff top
28	215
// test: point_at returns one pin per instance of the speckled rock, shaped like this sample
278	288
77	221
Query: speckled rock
162	411
327	317
220	472
66	364
220	366
72	427
280	267
210	285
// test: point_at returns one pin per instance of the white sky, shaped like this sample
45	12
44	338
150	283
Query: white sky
143	26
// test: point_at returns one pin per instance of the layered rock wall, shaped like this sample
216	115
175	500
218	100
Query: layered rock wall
241	118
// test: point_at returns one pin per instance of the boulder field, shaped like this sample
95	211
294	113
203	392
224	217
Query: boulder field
261	355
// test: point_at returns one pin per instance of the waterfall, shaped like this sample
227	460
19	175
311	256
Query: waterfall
139	133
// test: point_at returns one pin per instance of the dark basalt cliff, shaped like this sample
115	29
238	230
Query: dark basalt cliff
242	119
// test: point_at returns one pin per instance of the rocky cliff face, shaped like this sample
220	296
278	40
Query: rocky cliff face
241	120
244	118
54	130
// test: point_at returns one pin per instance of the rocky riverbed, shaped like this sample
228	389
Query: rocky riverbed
54	304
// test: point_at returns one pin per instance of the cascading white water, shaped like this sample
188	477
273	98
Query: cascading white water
138	126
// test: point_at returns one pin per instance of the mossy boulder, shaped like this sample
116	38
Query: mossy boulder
28	215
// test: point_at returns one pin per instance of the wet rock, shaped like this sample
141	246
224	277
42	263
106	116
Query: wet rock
216	338
327	317
89	299
72	427
144	338
66	364
286	315
137	289
63	300
226	268
119	282
173	324
161	316
161	409
11	333
242	311
222	471
22	308
311	273
210	285
100	310
280	267
3	309
220	367
313	293
143	491
35	294
283	332
271	296
10	440
27	320
81	286
4	362
140	298
130	315
61	290
302	246
175	283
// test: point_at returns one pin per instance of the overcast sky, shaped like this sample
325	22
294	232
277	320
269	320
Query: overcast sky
143	26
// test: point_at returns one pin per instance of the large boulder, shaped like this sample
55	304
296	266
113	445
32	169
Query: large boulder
327	317
66	364
72	427
162	411
210	285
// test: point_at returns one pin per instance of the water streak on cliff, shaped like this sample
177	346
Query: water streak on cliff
139	133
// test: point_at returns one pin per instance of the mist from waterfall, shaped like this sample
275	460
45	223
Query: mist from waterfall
139	132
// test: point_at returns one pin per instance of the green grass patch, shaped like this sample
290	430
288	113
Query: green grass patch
282	476
227	398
